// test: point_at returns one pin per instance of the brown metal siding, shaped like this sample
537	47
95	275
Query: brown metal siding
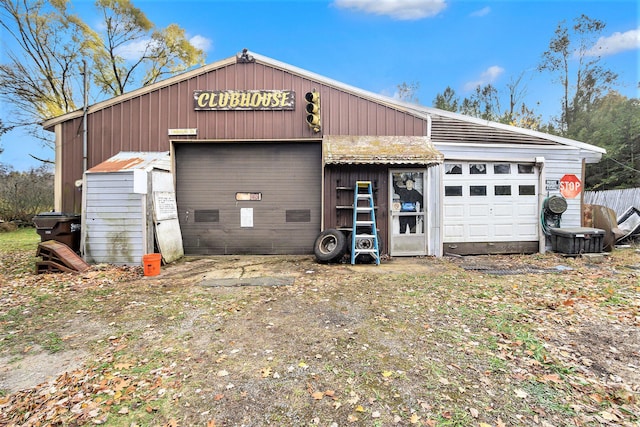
339	181
286	175
141	123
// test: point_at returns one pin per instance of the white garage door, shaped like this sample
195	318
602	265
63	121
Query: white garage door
490	202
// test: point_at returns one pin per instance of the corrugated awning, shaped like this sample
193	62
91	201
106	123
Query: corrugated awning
348	149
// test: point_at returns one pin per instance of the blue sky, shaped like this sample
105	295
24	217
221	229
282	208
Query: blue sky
378	44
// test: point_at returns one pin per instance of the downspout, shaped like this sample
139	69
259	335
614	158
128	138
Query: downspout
84	116
429	126
542	238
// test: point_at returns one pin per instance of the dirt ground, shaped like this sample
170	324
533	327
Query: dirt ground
284	340
40	366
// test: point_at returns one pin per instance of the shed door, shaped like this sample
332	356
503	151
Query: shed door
490	202
249	198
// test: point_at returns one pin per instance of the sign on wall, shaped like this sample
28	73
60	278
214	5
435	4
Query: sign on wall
225	100
570	186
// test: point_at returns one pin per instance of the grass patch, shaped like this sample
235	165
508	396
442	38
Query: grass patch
52	343
22	239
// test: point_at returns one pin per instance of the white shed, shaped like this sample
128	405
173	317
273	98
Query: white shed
129	210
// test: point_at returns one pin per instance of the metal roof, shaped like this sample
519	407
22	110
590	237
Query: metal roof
348	149
448	126
126	161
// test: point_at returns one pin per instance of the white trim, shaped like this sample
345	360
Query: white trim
57	180
531	146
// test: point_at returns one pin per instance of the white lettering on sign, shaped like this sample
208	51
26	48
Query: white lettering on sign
553	184
570	186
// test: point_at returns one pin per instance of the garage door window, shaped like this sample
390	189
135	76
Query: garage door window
502	190
527	190
502	169
453	190
477	190
453	169
525	169
478	169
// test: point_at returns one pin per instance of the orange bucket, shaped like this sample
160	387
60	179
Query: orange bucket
151	264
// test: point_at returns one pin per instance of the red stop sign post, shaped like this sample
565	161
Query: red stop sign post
570	186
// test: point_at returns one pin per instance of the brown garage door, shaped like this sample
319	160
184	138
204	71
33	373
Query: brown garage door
248	198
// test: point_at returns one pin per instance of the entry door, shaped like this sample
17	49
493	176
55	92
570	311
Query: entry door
408	227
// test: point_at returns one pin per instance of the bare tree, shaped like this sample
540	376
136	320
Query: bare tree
25	194
42	77
407	92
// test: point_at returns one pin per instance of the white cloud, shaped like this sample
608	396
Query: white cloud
134	50
201	42
481	12
404	10
616	43
490	75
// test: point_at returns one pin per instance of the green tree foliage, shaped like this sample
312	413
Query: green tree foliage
572	63
42	77
614	124
25	194
484	103
158	52
447	100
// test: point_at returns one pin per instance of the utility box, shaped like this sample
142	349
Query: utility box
59	226
576	241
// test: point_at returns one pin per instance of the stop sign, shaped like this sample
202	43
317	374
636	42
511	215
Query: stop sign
570	186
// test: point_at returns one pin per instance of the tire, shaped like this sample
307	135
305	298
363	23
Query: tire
330	245
364	244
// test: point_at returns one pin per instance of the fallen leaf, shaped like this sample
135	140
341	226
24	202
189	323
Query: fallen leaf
521	393
222	373
318	395
359	408
375	414
552	377
608	416
266	372
414	419
474	412
484	425
387	374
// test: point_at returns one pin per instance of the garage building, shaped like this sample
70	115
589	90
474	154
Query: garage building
265	155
